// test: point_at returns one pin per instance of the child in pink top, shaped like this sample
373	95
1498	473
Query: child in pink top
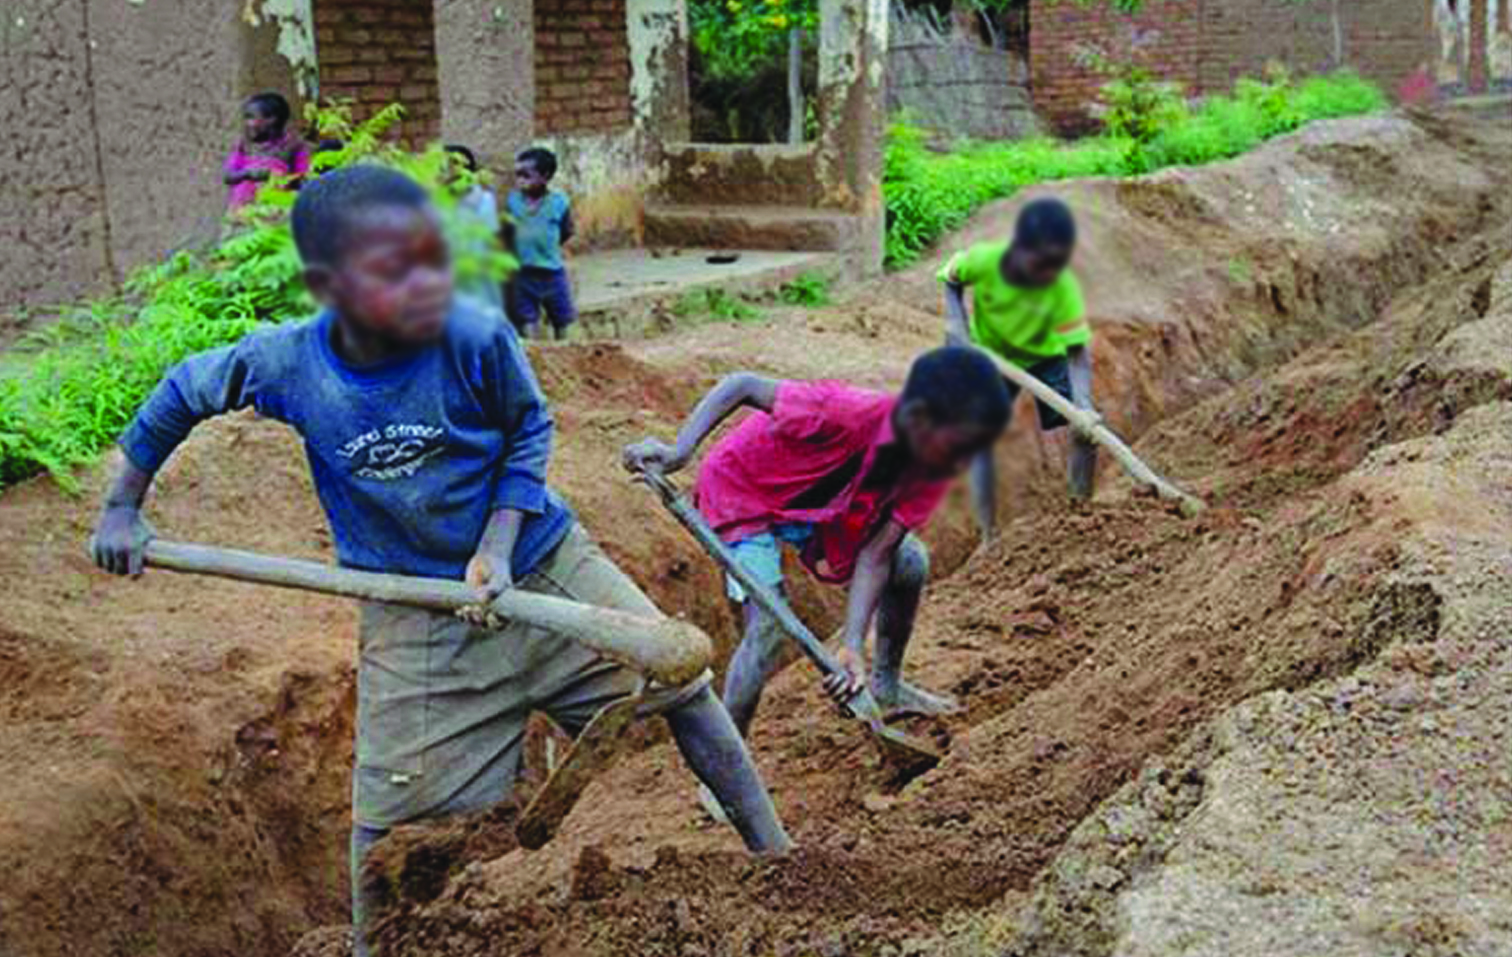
268	149
846	476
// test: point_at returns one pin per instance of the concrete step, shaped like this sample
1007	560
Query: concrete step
733	174
749	227
637	293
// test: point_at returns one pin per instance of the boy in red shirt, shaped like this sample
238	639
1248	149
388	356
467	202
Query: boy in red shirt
845	475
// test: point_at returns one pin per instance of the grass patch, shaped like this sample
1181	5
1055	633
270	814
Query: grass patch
929	194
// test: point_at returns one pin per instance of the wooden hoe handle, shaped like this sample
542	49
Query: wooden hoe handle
1090	424
670	651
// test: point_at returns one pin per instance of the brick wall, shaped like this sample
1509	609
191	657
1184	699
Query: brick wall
1166	35
381	52
1207	44
582	77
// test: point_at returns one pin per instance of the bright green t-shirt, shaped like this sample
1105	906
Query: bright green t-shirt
1024	326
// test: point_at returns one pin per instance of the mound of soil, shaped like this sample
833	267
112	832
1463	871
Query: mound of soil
175	752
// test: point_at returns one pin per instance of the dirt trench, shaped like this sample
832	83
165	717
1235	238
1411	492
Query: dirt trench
174	754
1087	643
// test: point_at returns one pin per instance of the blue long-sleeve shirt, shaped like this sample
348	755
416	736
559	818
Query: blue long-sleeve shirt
409	458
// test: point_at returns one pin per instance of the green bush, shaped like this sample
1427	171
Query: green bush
929	194
72	388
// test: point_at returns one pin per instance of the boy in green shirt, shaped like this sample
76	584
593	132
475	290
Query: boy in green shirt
1027	307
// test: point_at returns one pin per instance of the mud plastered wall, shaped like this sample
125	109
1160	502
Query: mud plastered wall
118	115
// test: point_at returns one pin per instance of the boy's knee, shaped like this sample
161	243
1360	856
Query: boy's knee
910	566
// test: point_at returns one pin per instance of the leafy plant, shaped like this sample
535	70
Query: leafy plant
1138	105
735	37
810	290
70	390
715	304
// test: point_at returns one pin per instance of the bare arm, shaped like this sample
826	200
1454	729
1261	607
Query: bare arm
957	320
490	567
201	386
873	566
121	533
569	228
739	390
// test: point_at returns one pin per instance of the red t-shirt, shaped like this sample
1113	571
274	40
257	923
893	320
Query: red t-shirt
807	463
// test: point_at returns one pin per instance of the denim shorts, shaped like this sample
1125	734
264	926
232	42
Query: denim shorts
1056	373
761	556
538	291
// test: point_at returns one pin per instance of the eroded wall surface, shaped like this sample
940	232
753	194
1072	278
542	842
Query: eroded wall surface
484	50
118	115
51	198
167	105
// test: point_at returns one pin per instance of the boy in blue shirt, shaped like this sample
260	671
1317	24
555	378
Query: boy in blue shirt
428	441
542	222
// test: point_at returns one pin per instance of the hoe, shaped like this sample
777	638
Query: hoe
908	755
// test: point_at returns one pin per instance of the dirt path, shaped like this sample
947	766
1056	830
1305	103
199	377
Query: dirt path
173	754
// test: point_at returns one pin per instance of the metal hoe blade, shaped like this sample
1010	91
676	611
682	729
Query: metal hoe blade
593	751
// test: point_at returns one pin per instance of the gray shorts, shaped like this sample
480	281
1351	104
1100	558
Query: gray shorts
442	705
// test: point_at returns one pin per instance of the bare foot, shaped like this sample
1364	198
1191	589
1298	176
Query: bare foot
910	699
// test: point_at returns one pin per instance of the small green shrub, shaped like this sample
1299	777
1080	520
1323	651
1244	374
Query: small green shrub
715	304
1138	105
69	390
809	290
929	194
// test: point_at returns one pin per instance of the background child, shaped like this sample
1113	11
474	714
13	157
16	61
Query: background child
428	441
481	208
1027	307
542	224
845	475
268	148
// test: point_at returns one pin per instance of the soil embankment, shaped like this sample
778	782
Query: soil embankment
174	751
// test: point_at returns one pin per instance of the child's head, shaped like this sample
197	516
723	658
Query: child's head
373	248
1043	240
954	406
534	169
265	117
464	156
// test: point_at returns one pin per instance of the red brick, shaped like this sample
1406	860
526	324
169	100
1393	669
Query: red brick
351	75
